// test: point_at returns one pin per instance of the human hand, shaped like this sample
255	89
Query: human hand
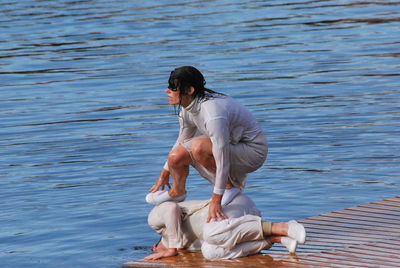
168	252
162	181
215	211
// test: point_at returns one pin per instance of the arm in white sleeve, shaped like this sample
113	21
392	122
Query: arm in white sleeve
219	134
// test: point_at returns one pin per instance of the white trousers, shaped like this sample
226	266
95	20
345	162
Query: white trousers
233	238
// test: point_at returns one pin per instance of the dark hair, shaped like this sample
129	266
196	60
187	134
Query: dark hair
184	77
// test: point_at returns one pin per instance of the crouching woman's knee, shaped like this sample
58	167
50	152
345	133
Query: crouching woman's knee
179	157
213	252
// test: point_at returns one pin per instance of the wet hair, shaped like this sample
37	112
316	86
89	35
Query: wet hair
184	77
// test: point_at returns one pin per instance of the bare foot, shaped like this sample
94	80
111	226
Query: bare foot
168	252
158	247
174	193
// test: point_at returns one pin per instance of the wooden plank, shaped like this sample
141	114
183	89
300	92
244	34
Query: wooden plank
362	261
343	229
361	220
387	203
353	236
379	249
380	207
394	199
375	212
339	232
335	261
366	251
351	223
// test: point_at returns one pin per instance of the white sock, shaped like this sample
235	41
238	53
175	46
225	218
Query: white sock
159	197
289	243
296	231
229	195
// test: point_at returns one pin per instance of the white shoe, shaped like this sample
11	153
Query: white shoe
289	243
159	197
296	231
229	195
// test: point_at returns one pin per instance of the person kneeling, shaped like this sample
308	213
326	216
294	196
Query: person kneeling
184	226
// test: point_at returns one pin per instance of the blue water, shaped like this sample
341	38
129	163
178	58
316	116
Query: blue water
85	124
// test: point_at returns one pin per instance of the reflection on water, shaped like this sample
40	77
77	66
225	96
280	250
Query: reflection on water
86	127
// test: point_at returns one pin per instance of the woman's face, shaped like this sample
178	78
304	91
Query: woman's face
173	96
176	99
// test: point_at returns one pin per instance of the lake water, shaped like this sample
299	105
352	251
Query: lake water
85	124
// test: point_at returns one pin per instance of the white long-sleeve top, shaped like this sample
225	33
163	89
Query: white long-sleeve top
225	122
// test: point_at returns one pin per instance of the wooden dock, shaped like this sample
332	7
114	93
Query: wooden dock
363	236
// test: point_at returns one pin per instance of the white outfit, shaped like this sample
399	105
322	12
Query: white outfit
233	238
183	225
238	142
